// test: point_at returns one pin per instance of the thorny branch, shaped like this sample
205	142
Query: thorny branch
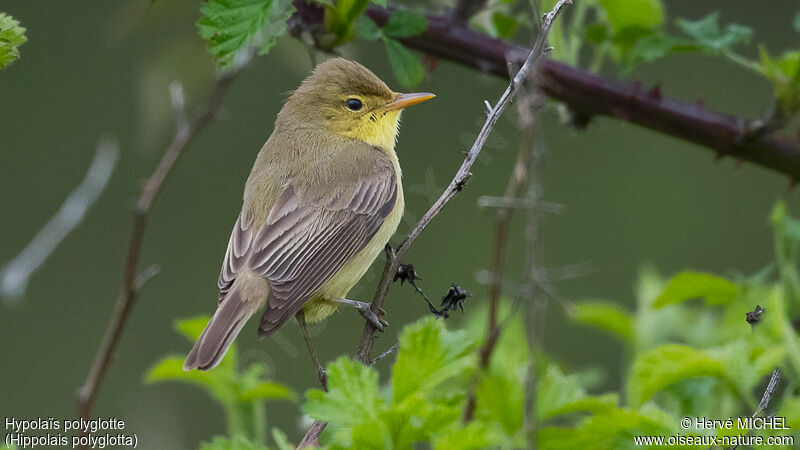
456	185
87	395
589	95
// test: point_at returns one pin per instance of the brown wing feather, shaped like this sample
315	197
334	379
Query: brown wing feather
335	227
308	237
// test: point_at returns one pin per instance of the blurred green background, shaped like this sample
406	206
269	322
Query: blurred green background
631	196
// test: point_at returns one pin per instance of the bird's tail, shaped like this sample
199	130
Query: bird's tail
245	297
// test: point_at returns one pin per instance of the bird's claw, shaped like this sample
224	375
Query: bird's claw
376	320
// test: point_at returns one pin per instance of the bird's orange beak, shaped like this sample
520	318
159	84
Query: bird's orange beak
406	100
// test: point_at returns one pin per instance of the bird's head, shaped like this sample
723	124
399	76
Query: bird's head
348	99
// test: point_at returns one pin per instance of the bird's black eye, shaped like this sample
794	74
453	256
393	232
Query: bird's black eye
353	104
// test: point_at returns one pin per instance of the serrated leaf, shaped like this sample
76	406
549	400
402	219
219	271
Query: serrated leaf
707	32
605	316
474	436
688	285
11	37
429	355
666	365
367	29
405	24
655	46
231	25
407	68
237	442
352	395
648	14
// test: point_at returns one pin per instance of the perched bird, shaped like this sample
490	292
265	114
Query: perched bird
321	202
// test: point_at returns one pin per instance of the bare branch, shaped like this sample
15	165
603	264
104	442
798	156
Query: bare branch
764	403
16	274
456	185
87	395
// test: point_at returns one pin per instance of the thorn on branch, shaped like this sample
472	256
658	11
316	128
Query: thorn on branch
547	50
655	93
462	182
489	109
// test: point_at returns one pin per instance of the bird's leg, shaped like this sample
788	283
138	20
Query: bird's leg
366	312
321	374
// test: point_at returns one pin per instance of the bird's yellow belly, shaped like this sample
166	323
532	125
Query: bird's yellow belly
319	307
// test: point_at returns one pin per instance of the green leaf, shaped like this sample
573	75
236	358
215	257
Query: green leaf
340	19
281	440
267	390
655	46
504	25
237	442
784	74
560	394
192	328
605	316
11	37
500	398
407	68
688	285
405	24
380	2
352	395
476	435
621	14
428	355
707	32
611	430
231	25
666	365
367	29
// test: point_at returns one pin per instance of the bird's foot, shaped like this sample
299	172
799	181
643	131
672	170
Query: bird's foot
365	310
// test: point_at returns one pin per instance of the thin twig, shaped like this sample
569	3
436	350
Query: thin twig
185	131
388	352
764	403
16	274
456	185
